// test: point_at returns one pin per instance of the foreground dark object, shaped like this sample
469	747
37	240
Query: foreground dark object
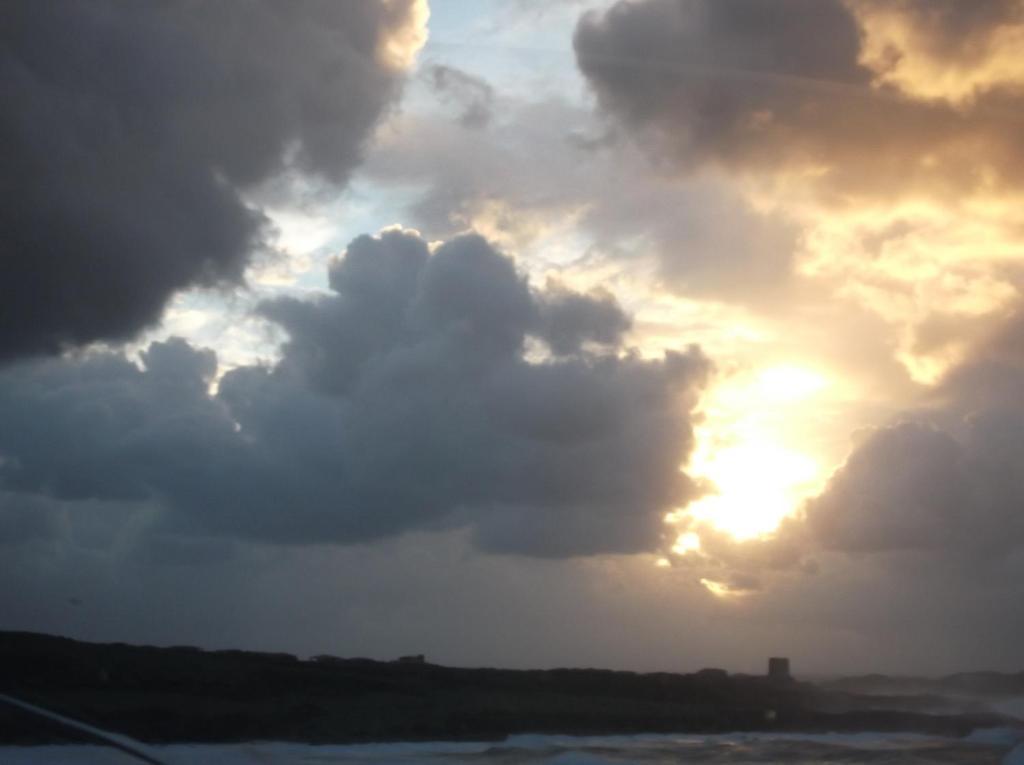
89	733
185	694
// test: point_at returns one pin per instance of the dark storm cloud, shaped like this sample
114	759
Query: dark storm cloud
27	518
711	67
409	398
903	488
656	44
569	319
781	86
950	479
129	129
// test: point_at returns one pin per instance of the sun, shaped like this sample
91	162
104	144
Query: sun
756	483
756	476
788	383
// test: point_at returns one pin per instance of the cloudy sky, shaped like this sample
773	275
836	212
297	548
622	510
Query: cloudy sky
654	335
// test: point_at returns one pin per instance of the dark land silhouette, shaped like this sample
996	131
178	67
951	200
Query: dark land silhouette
187	694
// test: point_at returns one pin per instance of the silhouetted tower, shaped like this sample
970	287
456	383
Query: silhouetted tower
778	669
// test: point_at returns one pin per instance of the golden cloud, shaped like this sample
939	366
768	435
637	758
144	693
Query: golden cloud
953	51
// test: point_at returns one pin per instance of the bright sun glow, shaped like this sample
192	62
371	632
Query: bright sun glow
688	542
758	484
756	476
719	589
788	383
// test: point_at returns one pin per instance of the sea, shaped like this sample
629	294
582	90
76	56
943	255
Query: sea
1002	746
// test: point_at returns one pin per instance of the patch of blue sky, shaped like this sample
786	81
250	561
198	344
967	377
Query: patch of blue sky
522	49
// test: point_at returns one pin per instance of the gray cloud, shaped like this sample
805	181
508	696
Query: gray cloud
27	518
473	96
750	85
130	128
916	545
404	400
438	594
904	488
541	164
570	319
949	477
634	51
710	67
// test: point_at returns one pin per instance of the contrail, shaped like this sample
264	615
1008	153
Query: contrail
864	89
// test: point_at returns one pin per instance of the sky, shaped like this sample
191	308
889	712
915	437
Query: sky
650	335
